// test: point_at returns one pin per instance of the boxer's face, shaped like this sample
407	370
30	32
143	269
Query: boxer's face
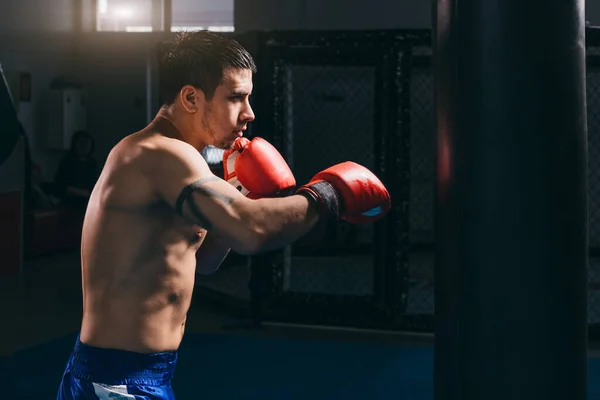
224	117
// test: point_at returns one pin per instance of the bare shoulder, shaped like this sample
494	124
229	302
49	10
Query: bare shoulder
163	154
150	153
140	162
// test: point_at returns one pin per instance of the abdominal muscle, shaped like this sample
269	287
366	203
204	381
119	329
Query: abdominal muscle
136	293
135	321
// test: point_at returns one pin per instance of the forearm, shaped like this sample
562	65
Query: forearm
245	225
210	255
281	221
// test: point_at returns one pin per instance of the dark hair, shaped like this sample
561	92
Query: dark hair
200	59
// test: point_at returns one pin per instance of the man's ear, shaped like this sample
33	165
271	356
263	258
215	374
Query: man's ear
191	98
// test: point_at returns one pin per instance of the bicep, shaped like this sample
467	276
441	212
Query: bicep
186	183
207	201
218	207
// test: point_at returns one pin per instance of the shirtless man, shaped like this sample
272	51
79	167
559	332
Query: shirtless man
158	215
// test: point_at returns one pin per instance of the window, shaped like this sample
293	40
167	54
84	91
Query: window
148	15
126	15
213	15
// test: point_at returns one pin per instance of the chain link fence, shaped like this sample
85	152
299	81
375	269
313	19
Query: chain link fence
325	107
327	97
330	113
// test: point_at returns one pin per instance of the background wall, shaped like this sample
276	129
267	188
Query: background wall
40	37
346	14
331	14
41	40
37	16
45	56
36	38
112	67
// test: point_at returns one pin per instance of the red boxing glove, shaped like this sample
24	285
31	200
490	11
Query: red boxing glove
349	191
257	169
230	156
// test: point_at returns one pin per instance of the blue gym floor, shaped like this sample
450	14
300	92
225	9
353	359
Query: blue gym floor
219	366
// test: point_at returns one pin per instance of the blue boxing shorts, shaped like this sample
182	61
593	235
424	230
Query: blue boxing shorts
98	373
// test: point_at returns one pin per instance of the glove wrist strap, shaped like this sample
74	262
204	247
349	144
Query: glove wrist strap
325	195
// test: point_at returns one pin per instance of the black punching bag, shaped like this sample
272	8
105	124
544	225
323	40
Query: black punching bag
512	239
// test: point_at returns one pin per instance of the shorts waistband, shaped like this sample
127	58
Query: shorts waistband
120	367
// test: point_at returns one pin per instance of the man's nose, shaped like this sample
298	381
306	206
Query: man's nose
247	114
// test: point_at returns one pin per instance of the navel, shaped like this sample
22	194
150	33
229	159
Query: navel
173	298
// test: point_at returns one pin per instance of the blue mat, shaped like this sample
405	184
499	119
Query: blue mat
240	367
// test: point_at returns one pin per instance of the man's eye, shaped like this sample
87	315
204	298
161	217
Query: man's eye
237	98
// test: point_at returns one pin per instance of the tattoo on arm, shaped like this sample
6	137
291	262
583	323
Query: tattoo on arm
186	196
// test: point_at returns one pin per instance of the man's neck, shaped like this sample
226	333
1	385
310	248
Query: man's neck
168	125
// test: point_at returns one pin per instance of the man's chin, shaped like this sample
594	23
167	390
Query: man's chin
225	145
